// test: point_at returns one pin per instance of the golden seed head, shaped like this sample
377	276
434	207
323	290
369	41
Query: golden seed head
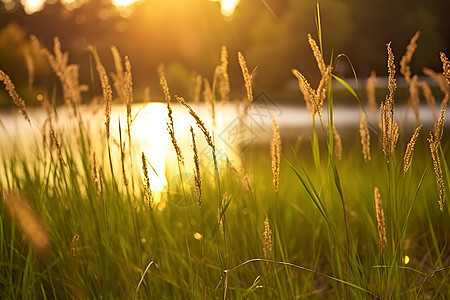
445	67
307	91
439	78
275	152
407	158
365	138
337	143
247	79
31	224
381	228
392	83
148	195
317	55
106	88
11	89
224	80
405	69
370	91
197	177
314	98
200	123
267	234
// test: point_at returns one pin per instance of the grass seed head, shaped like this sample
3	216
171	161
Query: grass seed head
337	143
247	79
405	69
365	138
267	234
317	55
407	158
439	78
370	92
31	224
197	176
445	67
275	152
11	89
381	228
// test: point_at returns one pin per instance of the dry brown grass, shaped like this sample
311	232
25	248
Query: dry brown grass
407	158
197	176
381	227
370	92
247	79
389	128
445	67
267	235
275	153
405	69
435	142
365	138
106	88
169	122
199	121
11	89
33	228
148	195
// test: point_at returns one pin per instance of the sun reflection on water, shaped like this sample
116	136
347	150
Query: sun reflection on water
149	131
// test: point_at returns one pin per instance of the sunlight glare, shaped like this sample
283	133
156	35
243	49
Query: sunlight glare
123	3
32	6
150	132
227	6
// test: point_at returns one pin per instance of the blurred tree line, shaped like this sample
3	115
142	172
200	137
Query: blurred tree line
186	35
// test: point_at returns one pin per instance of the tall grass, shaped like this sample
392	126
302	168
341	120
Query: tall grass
303	223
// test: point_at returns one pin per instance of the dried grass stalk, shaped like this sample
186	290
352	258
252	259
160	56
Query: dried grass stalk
148	195
222	78
169	122
56	143
370	92
365	138
318	56
407	158
275	152
247	79
314	98
11	89
267	234
337	143
439	78
197	176
429	97
106	88
405	69
68	74
445	67
381	227
200	123
32	226
435	142
389	128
